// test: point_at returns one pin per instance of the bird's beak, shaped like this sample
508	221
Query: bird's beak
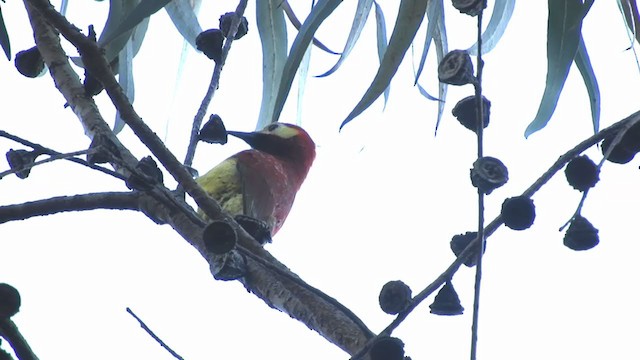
251	138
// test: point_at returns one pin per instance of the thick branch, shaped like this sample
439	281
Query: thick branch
94	201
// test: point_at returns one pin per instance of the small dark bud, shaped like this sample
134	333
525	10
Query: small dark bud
488	174
21	159
147	177
631	139
225	25
466	112
219	237
619	154
387	348
394	297
210	43
29	62
105	150
213	131
461	241
9	301
447	302
470	7
456	68
518	212
227	267
258	229
582	173
581	235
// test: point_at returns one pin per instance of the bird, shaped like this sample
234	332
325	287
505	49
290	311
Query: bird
258	186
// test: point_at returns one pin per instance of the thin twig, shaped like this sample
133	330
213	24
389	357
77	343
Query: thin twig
49	151
481	237
51	158
153	335
214	83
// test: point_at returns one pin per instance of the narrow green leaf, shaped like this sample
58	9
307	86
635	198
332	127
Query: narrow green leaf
4	38
184	18
296	23
303	76
359	20
563	37
320	11
435	10
586	70
272	28
410	16
125	78
381	37
502	11
125	16
442	48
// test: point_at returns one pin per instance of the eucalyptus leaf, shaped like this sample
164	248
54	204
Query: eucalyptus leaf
502	11
359	20
381	40
183	15
272	28
4	38
320	11
435	10
563	37
296	23
410	16
586	70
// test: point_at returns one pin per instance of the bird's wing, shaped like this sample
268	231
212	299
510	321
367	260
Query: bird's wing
256	172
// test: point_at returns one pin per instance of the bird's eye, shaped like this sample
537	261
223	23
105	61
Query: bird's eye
272	127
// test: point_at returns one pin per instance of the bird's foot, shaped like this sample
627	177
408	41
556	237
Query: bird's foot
256	228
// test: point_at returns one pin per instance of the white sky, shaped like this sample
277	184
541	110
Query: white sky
381	203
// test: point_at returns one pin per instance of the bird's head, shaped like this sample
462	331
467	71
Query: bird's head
286	141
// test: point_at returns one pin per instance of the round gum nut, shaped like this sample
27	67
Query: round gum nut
488	174
582	173
518	212
456	68
466	112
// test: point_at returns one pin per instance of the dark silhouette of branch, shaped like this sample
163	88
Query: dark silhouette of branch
10	332
49	151
213	85
71	155
108	200
481	235
619	127
153	335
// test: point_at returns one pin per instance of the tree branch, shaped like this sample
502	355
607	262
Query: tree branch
10	332
83	202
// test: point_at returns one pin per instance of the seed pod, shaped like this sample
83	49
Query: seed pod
210	43
456	68
488	174
582	173
213	131
219	237
147	177
29	62
21	159
9	301
581	235
460	242
447	302
619	154
470	7
225	25
466	112
394	297
518	212
387	348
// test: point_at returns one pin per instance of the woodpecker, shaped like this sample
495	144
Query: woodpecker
258	186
